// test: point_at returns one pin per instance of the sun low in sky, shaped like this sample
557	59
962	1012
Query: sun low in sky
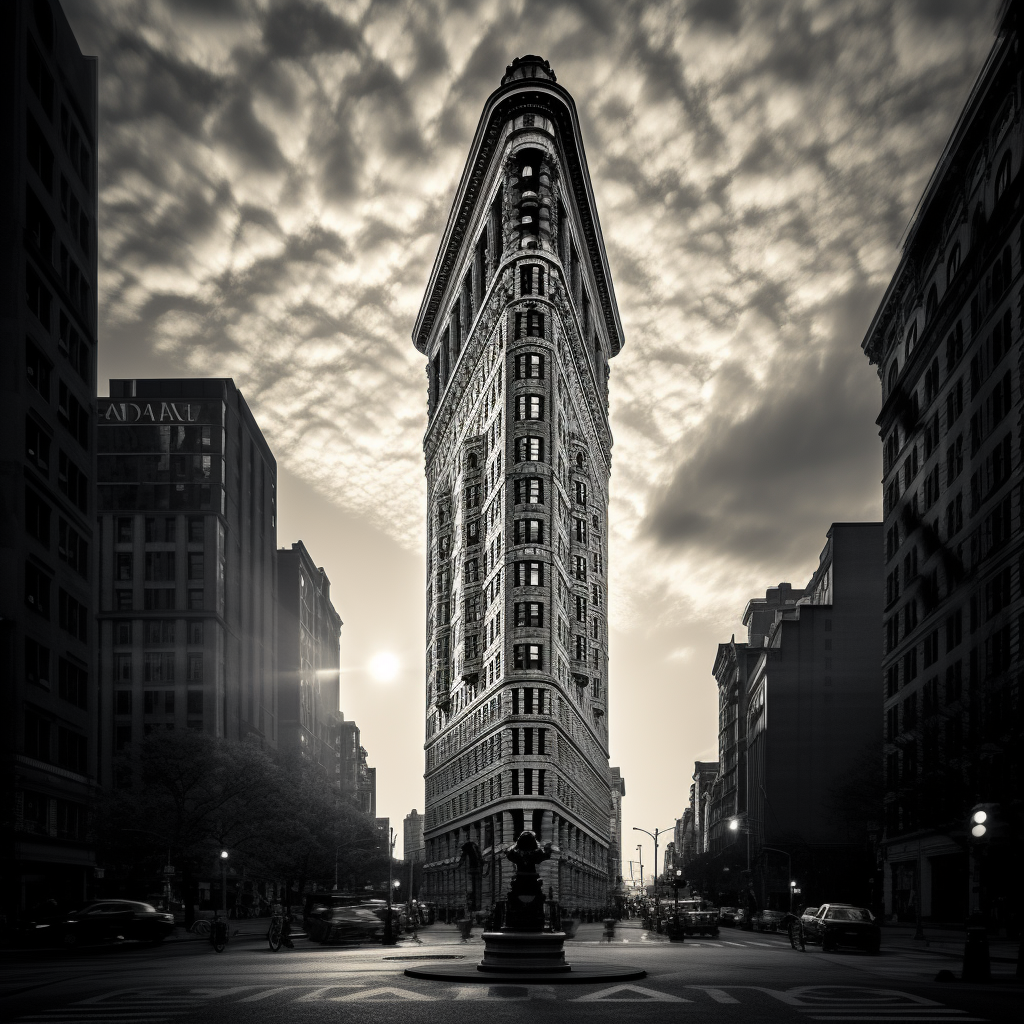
384	667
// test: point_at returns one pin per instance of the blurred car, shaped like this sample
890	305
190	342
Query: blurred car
840	924
727	916
112	920
769	920
340	919
698	917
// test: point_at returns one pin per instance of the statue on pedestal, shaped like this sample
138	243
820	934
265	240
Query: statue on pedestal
526	894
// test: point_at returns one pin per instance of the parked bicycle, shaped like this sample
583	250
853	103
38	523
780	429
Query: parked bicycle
279	932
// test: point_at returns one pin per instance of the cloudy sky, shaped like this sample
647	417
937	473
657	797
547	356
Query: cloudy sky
275	178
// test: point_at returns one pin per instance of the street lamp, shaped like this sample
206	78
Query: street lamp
224	882
654	835
734	826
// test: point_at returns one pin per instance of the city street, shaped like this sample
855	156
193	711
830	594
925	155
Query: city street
737	977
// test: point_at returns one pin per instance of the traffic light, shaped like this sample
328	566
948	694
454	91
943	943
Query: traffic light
678	882
984	824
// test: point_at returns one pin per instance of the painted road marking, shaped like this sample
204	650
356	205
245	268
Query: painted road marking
717	994
639	995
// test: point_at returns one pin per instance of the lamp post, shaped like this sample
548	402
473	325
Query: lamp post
640	854
224	882
654	835
789	871
734	826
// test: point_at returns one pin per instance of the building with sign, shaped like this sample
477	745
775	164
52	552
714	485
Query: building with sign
48	709
946	342
518	325
188	535
308	659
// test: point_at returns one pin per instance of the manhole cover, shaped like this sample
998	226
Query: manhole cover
428	956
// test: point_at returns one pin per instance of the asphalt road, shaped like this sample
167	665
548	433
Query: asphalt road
738	977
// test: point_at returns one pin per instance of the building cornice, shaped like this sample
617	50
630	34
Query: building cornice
503	105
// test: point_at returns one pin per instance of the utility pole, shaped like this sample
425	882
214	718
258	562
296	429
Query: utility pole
654	835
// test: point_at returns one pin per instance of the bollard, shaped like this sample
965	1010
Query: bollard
977	966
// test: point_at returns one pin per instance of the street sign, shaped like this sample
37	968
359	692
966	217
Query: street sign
168	869
798	890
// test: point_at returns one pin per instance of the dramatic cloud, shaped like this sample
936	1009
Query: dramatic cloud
276	175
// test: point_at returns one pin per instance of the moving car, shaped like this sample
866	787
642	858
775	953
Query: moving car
339	919
840	924
769	920
727	916
111	920
698	917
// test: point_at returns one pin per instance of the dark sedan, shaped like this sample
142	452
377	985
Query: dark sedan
111	920
839	924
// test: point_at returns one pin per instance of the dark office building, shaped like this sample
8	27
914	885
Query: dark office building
188	535
48	112
308	652
798	720
946	344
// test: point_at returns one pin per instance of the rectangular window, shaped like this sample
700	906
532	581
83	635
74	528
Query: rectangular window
159	599
195	565
73	548
194	702
529	490
529	449
195	668
515	782
40	156
195	632
72	683
158	668
580	529
37	517
37	590
74	417
37	369
159	631
37	446
580	648
122	702
122	737
473	532
195	530
122	668
474	608
529	574
580	567
529	613
529	531
37	663
160	566
37	736
195	600
71	750
73	616
530	407
72	481
528	656
124	530
472	646
529	366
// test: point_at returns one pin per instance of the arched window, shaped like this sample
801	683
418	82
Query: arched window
579	460
472	461
894	372
911	340
931	305
1003	176
977	225
953	263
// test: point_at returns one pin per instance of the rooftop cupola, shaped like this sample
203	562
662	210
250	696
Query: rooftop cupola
530	66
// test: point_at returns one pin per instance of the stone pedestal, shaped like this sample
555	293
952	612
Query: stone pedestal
511	952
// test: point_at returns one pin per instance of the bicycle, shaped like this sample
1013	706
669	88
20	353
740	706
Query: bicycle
279	930
219	934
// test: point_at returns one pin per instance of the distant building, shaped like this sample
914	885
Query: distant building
518	326
308	660
412	836
188	535
692	833
383	834
367	792
618	791
49	702
799	722
946	340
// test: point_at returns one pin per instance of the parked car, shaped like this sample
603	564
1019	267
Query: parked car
338	919
698	917
727	916
769	920
839	924
111	920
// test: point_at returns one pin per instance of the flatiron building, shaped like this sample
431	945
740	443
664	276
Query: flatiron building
518	324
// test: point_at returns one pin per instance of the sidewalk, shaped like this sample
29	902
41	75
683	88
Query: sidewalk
945	939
